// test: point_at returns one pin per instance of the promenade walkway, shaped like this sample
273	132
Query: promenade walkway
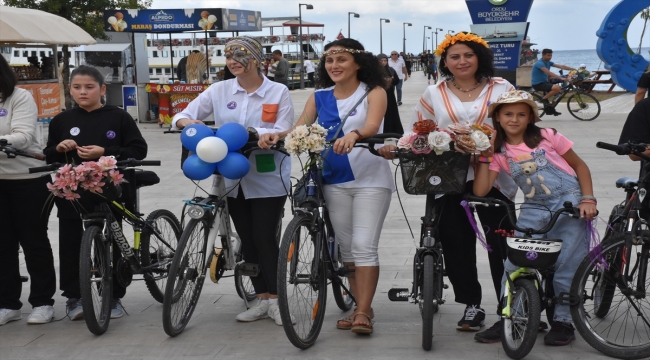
213	332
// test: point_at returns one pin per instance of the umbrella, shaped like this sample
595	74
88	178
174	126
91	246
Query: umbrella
22	26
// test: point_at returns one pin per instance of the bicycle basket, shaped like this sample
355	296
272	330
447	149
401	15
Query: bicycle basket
533	253
434	174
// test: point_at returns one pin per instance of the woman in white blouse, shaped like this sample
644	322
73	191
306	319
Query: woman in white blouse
468	87
256	202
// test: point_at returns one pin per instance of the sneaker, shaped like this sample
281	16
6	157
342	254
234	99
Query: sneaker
560	334
399	103
7	315
117	311
429	82
491	335
74	309
274	313
41	315
473	319
257	312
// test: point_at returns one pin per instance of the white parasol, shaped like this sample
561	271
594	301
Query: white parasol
23	26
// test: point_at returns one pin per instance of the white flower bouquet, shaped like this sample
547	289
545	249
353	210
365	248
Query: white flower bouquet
306	139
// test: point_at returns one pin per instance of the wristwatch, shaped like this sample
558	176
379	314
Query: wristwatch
251	130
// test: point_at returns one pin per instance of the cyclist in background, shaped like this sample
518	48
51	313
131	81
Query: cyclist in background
540	76
255	203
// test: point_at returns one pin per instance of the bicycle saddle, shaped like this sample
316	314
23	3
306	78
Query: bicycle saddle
146	178
627	183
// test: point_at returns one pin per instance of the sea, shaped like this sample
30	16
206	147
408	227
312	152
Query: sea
590	58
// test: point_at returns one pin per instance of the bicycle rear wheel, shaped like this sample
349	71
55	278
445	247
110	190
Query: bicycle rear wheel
611	319
428	295
186	277
344	299
159	251
95	279
302	286
519	330
583	106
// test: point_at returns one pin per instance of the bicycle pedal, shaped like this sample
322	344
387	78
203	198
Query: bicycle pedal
214	266
249	269
399	294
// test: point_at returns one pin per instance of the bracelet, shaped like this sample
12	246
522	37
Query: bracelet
358	134
485	159
588	201
589	197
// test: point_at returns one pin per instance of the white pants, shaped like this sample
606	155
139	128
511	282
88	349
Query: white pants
357	215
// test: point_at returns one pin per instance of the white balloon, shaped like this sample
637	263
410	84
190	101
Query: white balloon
211	149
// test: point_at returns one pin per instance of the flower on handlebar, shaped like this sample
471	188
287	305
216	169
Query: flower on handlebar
306	139
427	136
90	176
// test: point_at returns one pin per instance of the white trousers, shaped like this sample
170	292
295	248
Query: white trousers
358	215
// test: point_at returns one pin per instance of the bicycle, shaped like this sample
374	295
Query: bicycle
199	251
154	244
529	289
310	257
612	293
582	106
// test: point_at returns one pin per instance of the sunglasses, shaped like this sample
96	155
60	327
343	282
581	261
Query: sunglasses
393	54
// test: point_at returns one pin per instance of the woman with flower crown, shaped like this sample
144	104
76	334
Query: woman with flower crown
358	185
456	103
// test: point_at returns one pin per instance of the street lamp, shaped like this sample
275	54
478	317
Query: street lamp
356	16
424	34
404	39
432	48
425	43
437	29
451	31
381	45
302	60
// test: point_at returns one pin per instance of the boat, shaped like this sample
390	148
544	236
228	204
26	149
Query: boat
500	34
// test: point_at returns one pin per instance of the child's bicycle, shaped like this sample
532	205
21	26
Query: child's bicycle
198	250
613	312
429	174
582	106
529	289
154	244
310	257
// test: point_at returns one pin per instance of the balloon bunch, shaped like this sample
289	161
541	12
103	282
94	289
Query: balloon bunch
215	151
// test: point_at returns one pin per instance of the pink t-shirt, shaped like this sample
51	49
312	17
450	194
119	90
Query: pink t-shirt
555	146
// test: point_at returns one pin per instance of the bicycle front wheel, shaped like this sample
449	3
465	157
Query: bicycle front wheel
583	106
158	249
302	284
519	330
613	317
428	292
186	277
341	285
95	279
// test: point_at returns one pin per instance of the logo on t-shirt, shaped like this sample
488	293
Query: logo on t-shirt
3	112
232	105
354	112
75	131
110	134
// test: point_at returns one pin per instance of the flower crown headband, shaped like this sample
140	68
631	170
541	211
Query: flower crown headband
451	40
338	51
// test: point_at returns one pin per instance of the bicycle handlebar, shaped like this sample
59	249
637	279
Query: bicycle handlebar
377	139
13	152
120	164
492	202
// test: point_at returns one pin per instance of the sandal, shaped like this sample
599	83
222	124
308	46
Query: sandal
365	327
345	323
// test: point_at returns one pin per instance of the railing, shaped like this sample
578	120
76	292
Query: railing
264	40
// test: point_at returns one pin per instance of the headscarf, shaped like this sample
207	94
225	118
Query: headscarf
244	48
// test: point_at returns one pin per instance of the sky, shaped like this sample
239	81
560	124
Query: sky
555	24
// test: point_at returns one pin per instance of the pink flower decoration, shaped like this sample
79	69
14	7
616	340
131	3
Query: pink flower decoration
420	145
107	163
405	141
116	177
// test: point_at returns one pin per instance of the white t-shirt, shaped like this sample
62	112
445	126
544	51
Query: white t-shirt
309	67
397	66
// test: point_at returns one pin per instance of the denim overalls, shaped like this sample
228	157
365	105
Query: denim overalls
558	187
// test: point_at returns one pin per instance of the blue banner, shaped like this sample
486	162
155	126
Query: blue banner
241	20
498	11
506	54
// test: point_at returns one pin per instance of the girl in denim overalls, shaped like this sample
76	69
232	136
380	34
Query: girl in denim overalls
549	173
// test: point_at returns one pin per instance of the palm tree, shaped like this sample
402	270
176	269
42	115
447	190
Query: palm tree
645	15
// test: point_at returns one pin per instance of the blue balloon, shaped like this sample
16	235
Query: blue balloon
197	169
235	135
194	133
234	166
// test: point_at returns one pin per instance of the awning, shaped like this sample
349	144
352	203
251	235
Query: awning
103	47
28	26
304	23
284	22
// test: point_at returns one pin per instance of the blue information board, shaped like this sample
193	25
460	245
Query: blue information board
498	11
506	54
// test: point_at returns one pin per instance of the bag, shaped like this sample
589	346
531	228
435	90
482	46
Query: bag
299	194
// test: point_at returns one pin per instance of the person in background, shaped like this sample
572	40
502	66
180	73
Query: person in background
541	73
272	66
407	62
281	73
642	86
181	68
399	66
309	68
424	62
392	121
87	132
433	72
24	212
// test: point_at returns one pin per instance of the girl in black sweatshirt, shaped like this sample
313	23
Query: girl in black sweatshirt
85	133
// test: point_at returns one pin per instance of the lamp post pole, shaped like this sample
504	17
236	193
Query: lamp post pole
432	48
404	39
437	29
356	16
381	44
302	60
424	35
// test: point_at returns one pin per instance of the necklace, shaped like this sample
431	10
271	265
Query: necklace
466	91
522	140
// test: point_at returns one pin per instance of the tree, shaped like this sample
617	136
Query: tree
87	14
645	15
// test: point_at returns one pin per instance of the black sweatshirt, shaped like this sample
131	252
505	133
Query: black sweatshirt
109	127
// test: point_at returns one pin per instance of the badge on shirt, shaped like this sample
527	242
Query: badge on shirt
110	134
3	112
231	105
190	132
354	112
75	131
